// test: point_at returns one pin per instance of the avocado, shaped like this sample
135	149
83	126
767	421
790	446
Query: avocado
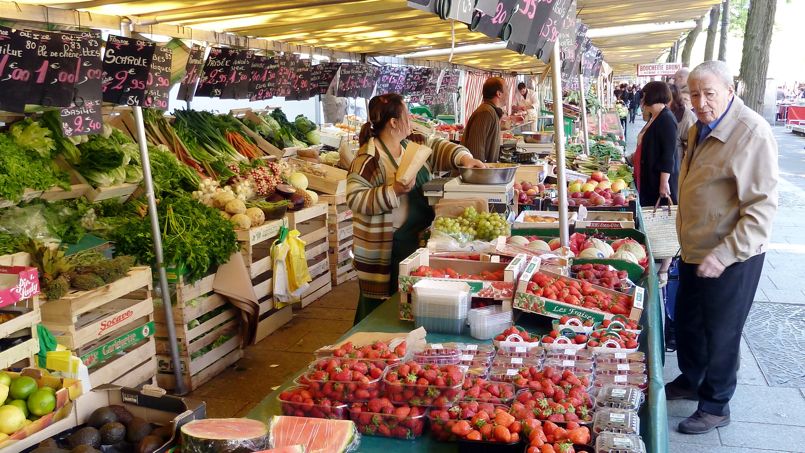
84	449
165	432
123	414
136	429
49	443
112	433
149	444
101	416
85	436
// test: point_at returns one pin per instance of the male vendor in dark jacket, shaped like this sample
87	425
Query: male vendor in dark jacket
482	134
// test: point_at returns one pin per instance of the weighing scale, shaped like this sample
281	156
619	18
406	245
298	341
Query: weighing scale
499	197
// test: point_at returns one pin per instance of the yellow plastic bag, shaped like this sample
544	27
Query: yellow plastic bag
296	262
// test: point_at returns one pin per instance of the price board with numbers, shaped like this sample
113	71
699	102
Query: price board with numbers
158	85
286	71
16	70
349	80
368	80
258	76
90	68
416	81
215	74
195	62
392	79
82	119
263	88
125	66
322	76
429	91
300	81
494	22
237	81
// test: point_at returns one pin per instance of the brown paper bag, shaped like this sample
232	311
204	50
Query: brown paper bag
413	159
454	208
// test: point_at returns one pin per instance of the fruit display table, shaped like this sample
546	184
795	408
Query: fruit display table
385	319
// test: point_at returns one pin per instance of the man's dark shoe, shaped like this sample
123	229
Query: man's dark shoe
674	391
701	422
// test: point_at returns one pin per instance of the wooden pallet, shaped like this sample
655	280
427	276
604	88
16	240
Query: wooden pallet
83	317
320	286
255	246
272	319
130	368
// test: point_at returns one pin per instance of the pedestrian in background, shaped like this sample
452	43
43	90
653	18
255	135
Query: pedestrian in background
635	104
727	202
684	119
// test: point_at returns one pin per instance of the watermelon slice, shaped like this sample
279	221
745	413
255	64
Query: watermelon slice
317	435
291	449
223	435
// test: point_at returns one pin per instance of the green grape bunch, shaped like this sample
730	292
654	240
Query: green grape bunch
471	225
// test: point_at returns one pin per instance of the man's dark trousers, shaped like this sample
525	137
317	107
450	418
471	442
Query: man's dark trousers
709	317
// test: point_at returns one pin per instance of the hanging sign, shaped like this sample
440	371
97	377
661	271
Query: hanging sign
495	24
82	119
158	85
286	71
216	71
300	81
258	75
321	77
90	67
237	81
392	79
658	69
192	74
349	80
368	81
16	68
416	81
536	25
126	65
60	57
428	95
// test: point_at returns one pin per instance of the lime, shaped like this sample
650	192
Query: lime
41	402
3	393
5	379
22	387
48	389
11	419
21	404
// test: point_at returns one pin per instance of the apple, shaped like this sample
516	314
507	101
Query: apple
598	200
618	185
604	185
598	190
576	195
522	198
571	202
574	188
588	187
618	200
518	186
525	185
598	176
589	195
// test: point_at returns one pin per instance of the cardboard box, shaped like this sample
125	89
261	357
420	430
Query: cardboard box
532	303
68	390
521	224
605	219
151	404
498	290
17	283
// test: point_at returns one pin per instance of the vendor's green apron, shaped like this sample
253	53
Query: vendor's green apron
406	238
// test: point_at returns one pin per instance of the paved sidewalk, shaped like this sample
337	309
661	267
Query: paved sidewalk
768	406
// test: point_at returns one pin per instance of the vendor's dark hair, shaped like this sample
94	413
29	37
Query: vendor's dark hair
492	86
521	85
381	110
677	105
656	93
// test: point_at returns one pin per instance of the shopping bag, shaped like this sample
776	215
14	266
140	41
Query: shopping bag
296	263
660	225
282	295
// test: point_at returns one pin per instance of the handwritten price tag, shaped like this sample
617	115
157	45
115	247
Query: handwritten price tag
83	120
195	62
15	70
215	74
126	65
237	82
158	84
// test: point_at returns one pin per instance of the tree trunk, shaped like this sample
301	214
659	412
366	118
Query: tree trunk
755	60
725	25
690	41
712	31
672	53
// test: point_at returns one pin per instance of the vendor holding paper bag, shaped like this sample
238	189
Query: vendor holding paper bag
384	191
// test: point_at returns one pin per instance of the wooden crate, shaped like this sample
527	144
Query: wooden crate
27	195
184	312
28	316
318	265
16	259
186	292
131	368
82	317
311	222
331	180
78	186
316	248
340	232
265	146
333	200
120	192
263	285
272	319
339	213
200	369
320	286
255	246
343	273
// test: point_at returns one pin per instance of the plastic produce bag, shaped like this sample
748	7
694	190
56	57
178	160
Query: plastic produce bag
317	435
296	263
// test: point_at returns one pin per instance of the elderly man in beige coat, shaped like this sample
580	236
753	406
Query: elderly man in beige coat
727	202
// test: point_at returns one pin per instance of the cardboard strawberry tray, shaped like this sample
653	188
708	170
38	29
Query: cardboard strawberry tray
486	279
17	283
526	300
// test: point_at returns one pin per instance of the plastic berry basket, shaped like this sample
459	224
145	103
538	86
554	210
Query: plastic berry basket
521	351
619	397
635	380
621	357
569	354
622	368
425	395
577	366
302	406
347	390
516	362
438	354
493	392
476	350
442	419
393	425
616	421
619	443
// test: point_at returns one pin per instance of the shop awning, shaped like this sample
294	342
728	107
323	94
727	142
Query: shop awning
384	27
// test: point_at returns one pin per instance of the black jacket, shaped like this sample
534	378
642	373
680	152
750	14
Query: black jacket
658	155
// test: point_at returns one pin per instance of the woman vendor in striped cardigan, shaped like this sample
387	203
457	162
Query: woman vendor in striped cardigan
388	217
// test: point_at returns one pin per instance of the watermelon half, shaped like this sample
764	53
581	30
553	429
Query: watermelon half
317	435
291	449
224	435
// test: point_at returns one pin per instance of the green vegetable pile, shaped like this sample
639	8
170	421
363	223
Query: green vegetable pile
193	235
202	134
285	134
109	159
171	176
26	161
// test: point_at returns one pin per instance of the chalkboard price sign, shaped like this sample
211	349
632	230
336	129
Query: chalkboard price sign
392	79
216	72
90	68
82	120
258	75
15	70
349	79
126	64
368	81
322	76
416	81
195	61
237	83
158	84
300	82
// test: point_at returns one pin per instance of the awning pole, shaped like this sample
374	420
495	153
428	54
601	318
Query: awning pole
585	128
559	142
600	113
179	389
